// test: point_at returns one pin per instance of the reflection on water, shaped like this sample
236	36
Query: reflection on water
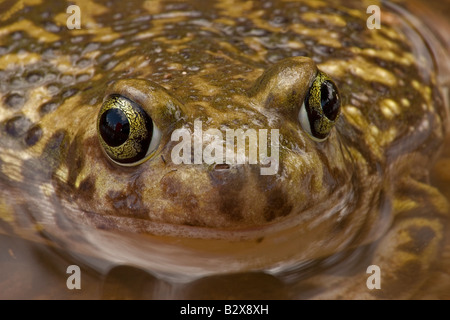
34	270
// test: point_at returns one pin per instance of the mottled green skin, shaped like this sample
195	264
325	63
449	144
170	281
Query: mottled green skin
231	65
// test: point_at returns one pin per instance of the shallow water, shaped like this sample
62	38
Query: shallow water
35	270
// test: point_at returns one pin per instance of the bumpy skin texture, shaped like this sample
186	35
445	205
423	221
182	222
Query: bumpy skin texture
233	65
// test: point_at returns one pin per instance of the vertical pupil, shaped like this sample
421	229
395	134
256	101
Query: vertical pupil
114	127
329	100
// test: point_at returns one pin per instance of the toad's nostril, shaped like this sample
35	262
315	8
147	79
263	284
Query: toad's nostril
222	166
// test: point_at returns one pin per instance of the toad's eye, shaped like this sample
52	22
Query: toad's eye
126	132
321	108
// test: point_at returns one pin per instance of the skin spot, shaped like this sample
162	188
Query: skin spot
230	185
53	89
43	168
86	190
66	79
69	93
127	203
230	207
34	77
420	238
83	63
74	160
51	27
54	151
34	134
14	100
48	107
83	77
170	186
17	126
277	205
179	193
17	35
330	176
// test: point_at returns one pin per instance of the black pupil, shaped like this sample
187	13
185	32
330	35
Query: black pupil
114	127
329	99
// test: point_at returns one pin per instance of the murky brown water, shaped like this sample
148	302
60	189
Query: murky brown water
34	270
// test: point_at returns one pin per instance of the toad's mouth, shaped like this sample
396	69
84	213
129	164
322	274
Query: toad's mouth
335	225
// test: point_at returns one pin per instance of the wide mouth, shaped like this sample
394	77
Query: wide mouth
329	208
184	253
